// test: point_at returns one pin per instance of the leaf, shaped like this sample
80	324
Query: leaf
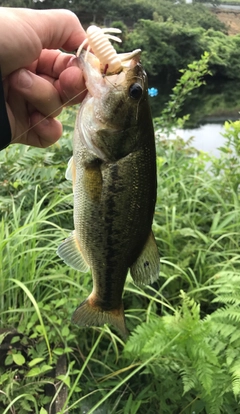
64	379
38	370
34	372
58	351
43	411
61	302
187	232
215	222
15	339
65	331
26	406
3	336
67	350
46	368
9	360
18	359
35	361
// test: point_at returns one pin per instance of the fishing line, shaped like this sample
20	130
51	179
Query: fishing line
46	117
63	105
117	87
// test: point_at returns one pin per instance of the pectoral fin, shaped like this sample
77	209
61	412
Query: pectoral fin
70	252
146	268
70	174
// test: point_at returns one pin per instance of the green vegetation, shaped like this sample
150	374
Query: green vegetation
168	46
215	101
183	352
170	34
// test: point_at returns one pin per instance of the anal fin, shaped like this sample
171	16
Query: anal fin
145	270
69	251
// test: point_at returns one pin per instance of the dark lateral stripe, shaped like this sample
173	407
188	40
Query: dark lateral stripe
110	276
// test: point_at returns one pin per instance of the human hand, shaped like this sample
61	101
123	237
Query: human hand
38	78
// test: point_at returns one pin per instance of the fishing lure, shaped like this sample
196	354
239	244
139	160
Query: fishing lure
98	41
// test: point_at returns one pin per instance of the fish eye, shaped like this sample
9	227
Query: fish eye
135	91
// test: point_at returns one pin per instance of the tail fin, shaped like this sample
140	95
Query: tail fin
88	314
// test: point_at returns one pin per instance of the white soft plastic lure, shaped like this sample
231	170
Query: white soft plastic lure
98	41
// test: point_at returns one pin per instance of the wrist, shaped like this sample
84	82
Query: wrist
6	134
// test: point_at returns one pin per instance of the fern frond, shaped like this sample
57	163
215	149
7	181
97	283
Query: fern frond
228	314
225	330
188	378
142	334
235	371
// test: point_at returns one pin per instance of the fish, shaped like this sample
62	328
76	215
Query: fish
113	171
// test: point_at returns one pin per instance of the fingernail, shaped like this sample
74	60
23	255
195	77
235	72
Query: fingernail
73	62
24	79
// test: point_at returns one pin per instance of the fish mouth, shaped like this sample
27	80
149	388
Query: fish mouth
128	60
96	79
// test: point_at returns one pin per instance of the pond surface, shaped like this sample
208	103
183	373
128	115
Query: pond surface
209	107
235	7
207	137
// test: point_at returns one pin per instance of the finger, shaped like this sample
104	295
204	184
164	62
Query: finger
43	132
61	29
30	31
37	91
52	62
71	86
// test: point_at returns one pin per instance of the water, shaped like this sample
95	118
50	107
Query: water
209	107
224	6
207	137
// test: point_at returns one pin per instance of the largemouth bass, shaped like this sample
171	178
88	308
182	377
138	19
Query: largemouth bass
113	170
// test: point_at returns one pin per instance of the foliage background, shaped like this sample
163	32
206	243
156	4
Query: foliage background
183	352
171	34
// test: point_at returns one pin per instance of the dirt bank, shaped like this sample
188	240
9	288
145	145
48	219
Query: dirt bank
230	18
